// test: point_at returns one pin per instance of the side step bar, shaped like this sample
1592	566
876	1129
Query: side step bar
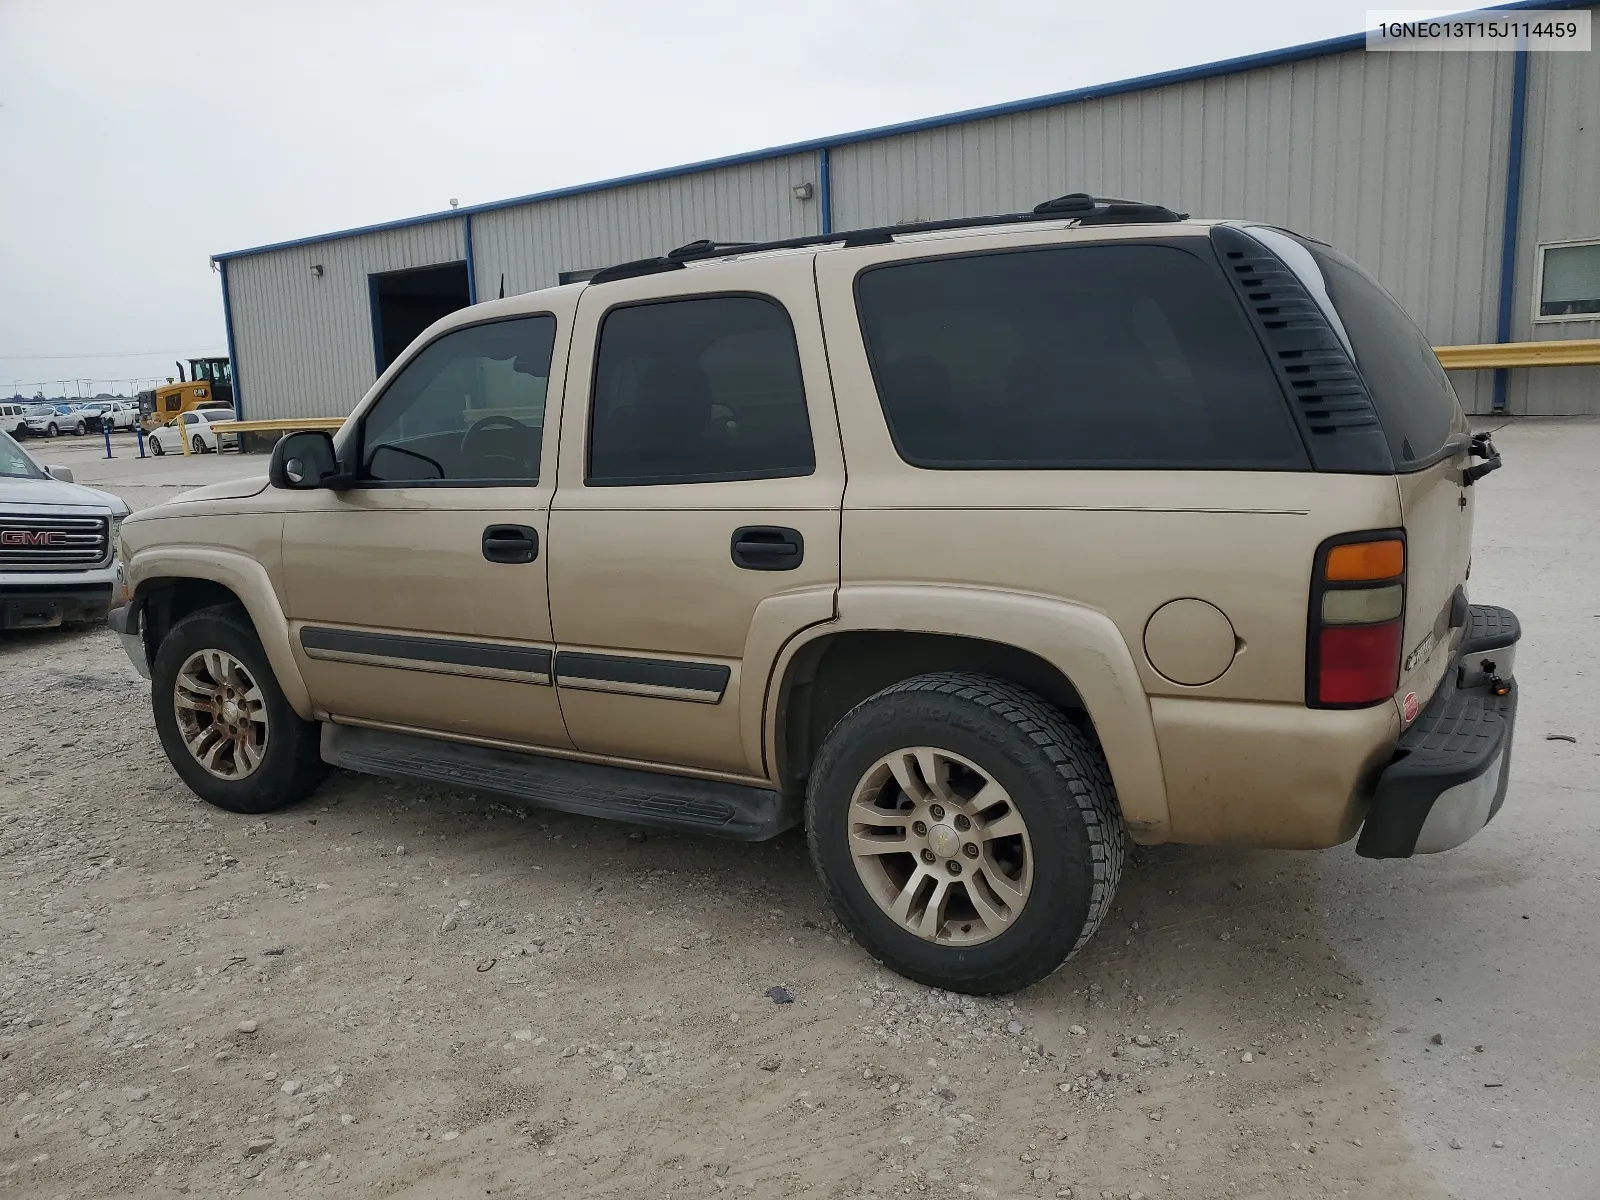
726	810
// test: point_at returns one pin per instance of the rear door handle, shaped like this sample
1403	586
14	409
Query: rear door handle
767	548
511	543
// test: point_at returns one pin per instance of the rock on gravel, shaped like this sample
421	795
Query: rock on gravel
258	1145
247	1026
290	1087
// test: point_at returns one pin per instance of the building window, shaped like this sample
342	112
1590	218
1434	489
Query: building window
1569	281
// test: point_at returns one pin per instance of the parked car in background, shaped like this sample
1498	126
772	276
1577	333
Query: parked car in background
119	414
51	420
202	429
14	419
57	544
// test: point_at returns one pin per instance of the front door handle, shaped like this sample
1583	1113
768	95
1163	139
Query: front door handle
511	543
767	548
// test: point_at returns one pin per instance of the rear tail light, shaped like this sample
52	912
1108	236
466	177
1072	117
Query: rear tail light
1357	619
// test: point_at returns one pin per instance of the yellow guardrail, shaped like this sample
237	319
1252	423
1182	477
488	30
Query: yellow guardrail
285	425
1575	352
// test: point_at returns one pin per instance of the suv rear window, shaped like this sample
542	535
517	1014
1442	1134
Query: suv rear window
1414	397
1105	356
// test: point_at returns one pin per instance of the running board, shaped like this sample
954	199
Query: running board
727	810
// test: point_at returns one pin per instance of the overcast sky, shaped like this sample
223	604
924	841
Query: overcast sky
136	139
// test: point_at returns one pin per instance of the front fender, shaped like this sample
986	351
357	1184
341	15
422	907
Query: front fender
245	578
1082	643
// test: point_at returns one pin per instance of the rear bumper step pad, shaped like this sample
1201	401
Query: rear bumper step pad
1448	778
726	810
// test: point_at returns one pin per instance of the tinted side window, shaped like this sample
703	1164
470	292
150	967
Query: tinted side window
1086	356
699	390
1414	397
470	407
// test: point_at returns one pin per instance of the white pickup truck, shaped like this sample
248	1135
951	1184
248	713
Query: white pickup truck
57	544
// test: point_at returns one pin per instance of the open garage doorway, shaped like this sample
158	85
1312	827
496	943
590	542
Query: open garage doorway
404	303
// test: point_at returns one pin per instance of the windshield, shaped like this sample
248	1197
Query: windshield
14	463
41	410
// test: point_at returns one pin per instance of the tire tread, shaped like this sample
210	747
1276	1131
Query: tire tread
1085	779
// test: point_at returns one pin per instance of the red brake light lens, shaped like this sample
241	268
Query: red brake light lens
1359	664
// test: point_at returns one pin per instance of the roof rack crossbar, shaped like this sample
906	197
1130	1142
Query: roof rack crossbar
1078	206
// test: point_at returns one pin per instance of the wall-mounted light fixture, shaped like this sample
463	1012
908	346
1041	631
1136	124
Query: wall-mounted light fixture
316	269
802	191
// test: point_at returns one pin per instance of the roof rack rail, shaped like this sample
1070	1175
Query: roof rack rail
1078	206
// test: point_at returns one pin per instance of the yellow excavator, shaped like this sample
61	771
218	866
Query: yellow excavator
209	382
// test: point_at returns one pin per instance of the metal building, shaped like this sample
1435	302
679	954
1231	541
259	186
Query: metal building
1469	183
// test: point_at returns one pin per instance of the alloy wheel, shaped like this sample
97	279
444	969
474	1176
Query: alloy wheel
940	846
222	713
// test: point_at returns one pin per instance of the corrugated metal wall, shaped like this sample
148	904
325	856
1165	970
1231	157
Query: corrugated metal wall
304	342
1560	202
534	244
1397	159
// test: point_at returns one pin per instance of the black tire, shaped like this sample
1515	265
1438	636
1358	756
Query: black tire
1055	776
80	429
52	431
155	447
291	766
197	444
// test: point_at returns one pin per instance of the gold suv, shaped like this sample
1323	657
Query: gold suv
975	547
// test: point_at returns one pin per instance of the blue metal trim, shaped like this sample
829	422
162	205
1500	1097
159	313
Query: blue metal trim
377	325
825	189
472	266
1513	213
1226	66
233	353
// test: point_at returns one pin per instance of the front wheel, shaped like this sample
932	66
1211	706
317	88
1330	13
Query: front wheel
80	429
53	431
155	447
226	726
967	833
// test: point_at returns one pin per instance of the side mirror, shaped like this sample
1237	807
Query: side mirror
64	474
303	461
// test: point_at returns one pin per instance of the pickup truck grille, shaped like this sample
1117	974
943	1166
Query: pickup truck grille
32	543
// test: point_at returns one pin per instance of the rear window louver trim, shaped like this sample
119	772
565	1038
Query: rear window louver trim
1325	391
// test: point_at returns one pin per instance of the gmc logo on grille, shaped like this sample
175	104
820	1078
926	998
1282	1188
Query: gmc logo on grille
24	537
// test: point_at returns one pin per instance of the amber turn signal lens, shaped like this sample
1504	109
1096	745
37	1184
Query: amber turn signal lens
1366	560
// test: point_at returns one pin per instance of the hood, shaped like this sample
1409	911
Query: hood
28	493
228	489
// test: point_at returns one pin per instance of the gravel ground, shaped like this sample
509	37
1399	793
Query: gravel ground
395	989
401	989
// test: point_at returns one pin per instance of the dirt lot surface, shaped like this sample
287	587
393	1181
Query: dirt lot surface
450	996
401	990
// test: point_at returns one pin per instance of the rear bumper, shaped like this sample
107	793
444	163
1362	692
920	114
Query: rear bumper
1448	776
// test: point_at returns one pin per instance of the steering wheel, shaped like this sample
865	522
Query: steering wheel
485	454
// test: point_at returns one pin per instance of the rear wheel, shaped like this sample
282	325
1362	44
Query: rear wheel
226	726
967	833
197	445
80	429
